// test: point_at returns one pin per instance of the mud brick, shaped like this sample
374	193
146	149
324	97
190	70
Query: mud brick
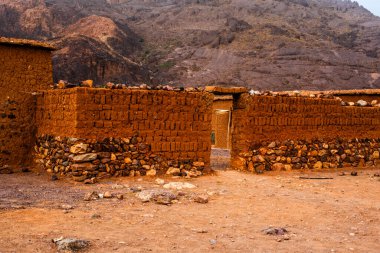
135	125
105	115
106	107
142	125
99	124
84	124
103	99
107	124
116	124
149	139
166	133
166	146
175	155
133	107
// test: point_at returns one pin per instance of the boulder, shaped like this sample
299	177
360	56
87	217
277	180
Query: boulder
71	244
151	172
158	196
318	165
173	171
79	148
278	167
83	167
362	103
85	157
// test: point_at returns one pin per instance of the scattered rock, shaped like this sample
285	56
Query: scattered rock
158	196
199	231
213	241
71	244
120	196
179	186
92	180
54	177
160	181
354	173
117	186
95	216
107	195
91	196
283	238
275	231
67	207
202	199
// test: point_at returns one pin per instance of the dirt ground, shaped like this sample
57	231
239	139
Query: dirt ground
332	215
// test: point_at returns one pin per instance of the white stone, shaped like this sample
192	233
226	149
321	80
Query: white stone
160	181
179	186
79	148
362	103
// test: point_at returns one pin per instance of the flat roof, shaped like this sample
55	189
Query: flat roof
225	90
26	43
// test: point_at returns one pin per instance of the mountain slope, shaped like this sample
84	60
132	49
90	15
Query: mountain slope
270	44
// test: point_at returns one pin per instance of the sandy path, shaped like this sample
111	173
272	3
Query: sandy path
339	215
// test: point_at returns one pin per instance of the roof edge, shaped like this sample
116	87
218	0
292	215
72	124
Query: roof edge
26	43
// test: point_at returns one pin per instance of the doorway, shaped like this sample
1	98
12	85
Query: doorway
221	132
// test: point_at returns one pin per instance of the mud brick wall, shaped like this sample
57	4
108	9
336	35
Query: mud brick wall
56	112
23	70
176	125
259	121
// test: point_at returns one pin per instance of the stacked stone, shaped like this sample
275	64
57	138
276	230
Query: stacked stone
85	159
62	84
291	94
315	154
362	103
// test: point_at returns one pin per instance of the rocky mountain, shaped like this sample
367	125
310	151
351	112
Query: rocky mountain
262	44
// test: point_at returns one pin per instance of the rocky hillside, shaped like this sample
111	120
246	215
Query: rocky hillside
263	44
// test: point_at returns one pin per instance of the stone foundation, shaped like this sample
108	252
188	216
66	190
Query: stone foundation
316	154
86	159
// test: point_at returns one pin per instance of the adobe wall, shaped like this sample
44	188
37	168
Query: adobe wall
303	133
175	126
23	70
